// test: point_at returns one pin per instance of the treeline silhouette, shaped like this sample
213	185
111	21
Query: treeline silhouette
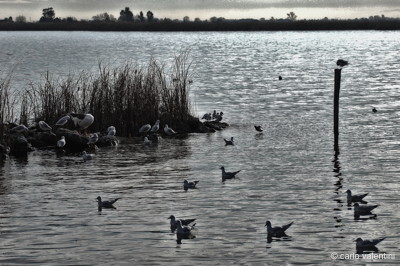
225	25
127	21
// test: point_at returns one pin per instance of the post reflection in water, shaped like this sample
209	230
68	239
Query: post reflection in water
338	186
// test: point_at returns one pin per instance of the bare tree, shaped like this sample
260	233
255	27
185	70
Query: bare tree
291	16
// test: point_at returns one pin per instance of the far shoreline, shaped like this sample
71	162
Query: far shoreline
234	25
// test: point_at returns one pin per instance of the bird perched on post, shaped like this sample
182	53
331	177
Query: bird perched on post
342	62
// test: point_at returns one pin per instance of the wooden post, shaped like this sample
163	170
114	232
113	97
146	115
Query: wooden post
338	73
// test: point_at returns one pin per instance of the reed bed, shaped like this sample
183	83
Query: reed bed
7	104
126	97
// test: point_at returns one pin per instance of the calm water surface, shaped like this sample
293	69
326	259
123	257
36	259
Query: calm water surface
289	173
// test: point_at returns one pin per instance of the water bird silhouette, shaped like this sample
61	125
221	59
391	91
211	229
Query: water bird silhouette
342	62
183	232
280	77
363	209
374	110
258	128
360	243
174	222
107	204
277	231
355	198
228	175
229	142
189	184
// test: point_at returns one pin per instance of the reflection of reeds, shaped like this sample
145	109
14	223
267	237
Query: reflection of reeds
126	97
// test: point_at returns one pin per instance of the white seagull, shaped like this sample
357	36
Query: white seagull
44	126
19	129
146	141
63	120
61	142
87	156
155	127
145	128
82	121
93	139
111	131
169	131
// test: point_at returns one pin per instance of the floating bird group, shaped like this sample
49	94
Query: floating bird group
215	116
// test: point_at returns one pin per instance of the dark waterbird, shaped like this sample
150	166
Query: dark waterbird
229	142
258	128
360	243
228	175
277	231
183	232
342	62
363	209
189	184
374	110
174	222
355	198
107	204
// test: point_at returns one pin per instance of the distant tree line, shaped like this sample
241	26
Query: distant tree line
107	22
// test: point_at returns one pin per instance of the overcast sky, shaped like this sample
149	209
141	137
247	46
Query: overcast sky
204	9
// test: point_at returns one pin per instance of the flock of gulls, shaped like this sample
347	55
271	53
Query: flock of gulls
184	227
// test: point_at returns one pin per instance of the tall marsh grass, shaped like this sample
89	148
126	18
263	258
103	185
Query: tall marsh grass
7	104
126	97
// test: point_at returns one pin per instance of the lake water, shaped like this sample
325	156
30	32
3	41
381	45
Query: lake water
48	211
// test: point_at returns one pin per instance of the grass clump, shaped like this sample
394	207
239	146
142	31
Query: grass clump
126	97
